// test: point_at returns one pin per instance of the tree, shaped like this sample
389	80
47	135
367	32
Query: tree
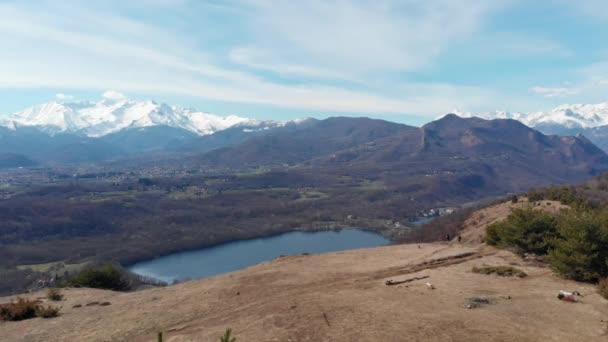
105	276
580	251
527	230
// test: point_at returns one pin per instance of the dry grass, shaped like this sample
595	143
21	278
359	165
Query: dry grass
503	271
18	310
22	309
47	311
54	295
290	298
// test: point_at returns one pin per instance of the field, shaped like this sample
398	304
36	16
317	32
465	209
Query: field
53	268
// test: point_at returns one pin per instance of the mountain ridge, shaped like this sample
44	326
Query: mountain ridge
472	154
569	116
98	119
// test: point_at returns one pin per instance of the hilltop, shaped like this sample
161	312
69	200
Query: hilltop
343	297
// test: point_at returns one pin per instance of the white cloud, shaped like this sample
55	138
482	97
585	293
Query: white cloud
330	55
553	91
518	45
62	96
113	95
262	60
364	36
92	48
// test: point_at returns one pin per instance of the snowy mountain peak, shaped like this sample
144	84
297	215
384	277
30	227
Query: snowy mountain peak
115	113
567	115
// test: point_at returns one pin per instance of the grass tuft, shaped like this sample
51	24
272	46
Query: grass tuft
18	310
54	295
503	271
47	311
23	309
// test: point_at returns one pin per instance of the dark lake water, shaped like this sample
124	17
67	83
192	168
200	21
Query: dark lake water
236	255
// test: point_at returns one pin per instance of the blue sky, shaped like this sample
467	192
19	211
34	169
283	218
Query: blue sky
402	60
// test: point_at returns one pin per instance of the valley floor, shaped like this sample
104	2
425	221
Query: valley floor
339	297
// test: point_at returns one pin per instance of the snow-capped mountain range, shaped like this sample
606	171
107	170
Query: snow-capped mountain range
574	116
111	115
97	119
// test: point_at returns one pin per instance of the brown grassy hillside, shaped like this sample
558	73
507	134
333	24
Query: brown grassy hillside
343	297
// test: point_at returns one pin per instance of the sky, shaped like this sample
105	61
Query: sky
401	60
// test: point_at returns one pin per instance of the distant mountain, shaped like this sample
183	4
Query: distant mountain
60	148
590	120
12	160
294	144
239	133
597	135
116	128
97	119
451	156
514	151
562	119
143	141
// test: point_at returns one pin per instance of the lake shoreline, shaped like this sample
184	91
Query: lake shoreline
235	255
390	233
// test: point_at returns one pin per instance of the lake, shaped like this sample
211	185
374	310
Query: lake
232	256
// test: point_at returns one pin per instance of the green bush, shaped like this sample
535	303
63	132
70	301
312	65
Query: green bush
580	252
526	230
575	240
106	276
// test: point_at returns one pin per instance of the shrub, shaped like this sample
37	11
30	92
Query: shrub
514	199
18	310
503	271
106	276
22	309
579	253
565	194
575	240
534	195
526	230
54	294
47	311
